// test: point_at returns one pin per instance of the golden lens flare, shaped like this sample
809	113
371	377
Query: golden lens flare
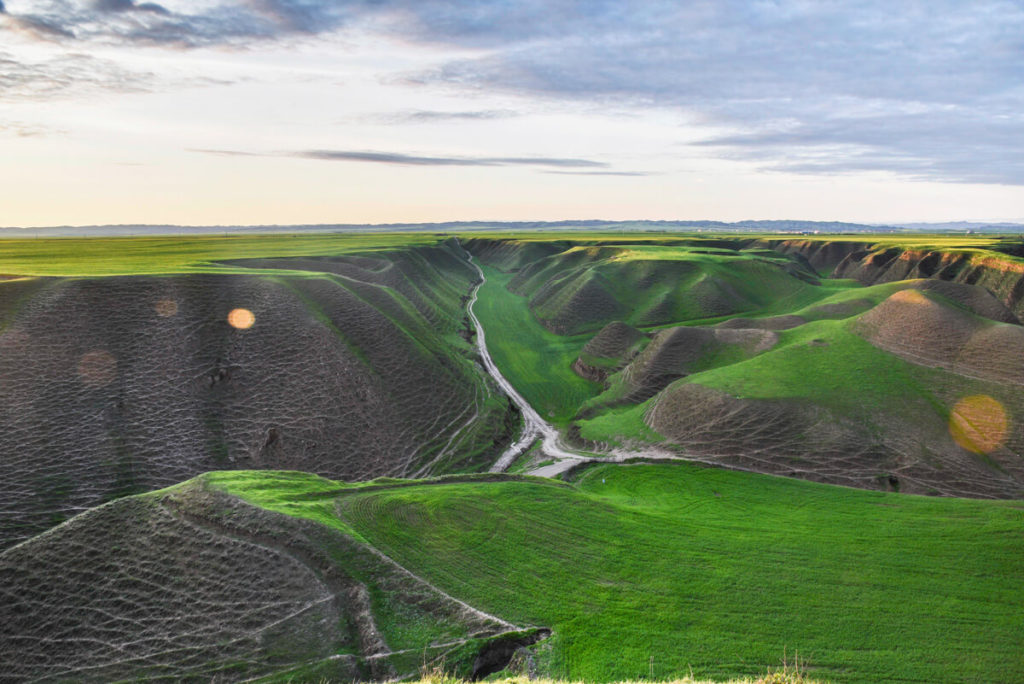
241	319
979	424
166	308
97	368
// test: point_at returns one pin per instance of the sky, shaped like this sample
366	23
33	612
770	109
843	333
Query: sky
207	112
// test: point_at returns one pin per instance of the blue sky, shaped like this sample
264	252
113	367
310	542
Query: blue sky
304	111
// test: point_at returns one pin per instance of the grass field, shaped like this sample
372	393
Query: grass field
191	253
180	254
707	569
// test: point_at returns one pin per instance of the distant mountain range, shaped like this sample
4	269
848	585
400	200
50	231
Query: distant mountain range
778	226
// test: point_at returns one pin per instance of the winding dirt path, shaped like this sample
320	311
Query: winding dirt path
534	427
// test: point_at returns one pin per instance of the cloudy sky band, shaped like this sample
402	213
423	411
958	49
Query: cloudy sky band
914	96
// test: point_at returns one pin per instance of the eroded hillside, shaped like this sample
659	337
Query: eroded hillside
734	353
195	584
119	385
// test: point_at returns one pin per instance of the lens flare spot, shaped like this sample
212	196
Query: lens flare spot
166	308
979	424
97	368
241	319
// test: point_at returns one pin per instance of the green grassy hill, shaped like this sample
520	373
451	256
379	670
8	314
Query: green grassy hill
669	569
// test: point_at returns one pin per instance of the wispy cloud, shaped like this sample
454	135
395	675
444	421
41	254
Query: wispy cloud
229	22
402	159
68	75
429	116
927	90
77	75
601	173
22	129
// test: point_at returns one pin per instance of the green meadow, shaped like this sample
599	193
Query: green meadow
180	254
674	569
536	361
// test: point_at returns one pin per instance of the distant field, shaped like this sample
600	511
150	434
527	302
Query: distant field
179	254
185	253
707	569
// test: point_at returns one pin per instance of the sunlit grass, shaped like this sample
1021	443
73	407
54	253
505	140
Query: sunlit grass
648	571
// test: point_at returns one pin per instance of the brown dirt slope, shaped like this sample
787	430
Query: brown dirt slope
1002	276
674	353
609	350
929	330
115	386
915	455
823	255
193	584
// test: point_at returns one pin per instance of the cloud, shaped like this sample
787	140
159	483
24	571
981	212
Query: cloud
126	22
22	129
924	88
76	75
416	160
928	90
426	116
68	75
951	145
601	173
129	6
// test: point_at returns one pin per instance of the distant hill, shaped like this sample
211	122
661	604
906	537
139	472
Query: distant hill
788	226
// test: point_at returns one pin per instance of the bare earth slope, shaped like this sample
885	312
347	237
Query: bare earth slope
119	385
938	419
194	584
998	268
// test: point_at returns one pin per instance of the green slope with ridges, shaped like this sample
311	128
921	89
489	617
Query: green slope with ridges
819	363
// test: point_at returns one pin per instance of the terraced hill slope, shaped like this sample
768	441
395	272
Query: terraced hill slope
116	385
664	568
